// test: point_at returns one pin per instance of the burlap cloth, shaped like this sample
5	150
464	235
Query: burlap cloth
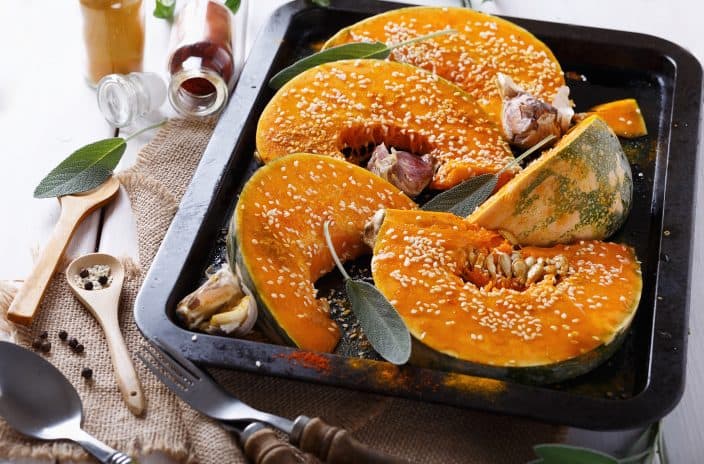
422	432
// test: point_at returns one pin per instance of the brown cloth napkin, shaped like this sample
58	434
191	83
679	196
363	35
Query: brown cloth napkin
422	432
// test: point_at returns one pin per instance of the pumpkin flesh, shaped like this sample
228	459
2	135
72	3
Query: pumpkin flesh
453	307
359	104
483	46
623	117
581	189
277	233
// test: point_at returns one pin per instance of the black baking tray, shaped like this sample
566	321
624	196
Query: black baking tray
639	385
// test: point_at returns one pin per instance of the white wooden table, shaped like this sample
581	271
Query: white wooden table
47	111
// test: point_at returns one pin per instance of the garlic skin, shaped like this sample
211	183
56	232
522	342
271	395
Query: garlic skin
223	304
371	228
408	172
527	120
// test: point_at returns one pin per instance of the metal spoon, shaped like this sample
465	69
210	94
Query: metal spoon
38	401
103	305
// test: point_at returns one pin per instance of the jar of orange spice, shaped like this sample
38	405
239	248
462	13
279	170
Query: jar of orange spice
114	37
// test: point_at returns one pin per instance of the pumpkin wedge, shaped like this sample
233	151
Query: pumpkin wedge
352	106
581	189
276	239
623	116
483	46
474	304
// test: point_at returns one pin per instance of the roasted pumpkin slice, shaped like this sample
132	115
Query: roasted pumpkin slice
580	189
483	46
347	107
474	304
276	239
623	116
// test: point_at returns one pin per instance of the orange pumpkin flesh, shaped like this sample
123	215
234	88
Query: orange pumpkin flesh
623	116
281	250
362	103
422	265
483	46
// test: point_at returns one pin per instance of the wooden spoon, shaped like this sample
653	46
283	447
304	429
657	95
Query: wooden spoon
73	209
103	304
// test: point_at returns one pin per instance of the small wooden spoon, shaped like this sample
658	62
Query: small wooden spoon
73	209
103	304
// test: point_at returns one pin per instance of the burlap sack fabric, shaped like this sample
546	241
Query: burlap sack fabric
421	432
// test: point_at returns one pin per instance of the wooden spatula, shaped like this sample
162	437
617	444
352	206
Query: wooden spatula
74	208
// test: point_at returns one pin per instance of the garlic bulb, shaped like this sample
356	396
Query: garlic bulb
408	172
223	304
526	119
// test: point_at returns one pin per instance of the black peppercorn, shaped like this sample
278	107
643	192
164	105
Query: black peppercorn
103	280
88	286
79	348
44	334
36	343
73	343
63	335
45	346
84	273
87	373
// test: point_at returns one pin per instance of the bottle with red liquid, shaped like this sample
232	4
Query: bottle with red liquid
201	60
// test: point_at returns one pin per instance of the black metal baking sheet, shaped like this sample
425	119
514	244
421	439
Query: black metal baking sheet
640	384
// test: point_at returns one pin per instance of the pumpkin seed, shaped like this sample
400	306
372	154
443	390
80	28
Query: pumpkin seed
490	266
520	270
534	273
530	261
505	264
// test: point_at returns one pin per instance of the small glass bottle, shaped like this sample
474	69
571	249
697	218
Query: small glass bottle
124	98
113	31
201	61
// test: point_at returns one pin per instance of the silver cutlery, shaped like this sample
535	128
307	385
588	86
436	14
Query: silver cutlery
331	444
38	401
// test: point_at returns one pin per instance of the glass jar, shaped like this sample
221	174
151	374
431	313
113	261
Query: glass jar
124	98
201	61
113	31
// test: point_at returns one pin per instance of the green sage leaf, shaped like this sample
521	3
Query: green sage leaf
323	3
561	454
342	52
472	191
233	5
164	9
382	324
350	51
85	169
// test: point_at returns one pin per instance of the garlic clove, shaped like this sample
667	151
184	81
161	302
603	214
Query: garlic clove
408	172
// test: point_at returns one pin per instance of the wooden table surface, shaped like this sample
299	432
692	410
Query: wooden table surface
47	111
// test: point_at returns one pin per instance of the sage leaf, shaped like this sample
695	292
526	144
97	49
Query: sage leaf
85	169
349	51
472	190
341	52
464	198
323	3
164	9
233	5
380	321
560	454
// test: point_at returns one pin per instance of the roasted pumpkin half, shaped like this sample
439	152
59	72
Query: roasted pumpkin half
476	304
276	239
349	107
581	189
483	46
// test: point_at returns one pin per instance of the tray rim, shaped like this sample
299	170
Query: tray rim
268	359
